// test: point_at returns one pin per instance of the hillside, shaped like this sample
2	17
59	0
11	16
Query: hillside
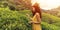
55	11
12	20
50	19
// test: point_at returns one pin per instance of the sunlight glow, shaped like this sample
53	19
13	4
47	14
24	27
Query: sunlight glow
47	4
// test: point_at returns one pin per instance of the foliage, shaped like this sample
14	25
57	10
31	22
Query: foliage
17	20
20	4
16	4
13	20
46	26
50	19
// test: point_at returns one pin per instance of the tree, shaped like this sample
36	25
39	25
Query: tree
20	4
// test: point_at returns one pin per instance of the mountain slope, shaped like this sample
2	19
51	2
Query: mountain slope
55	11
50	19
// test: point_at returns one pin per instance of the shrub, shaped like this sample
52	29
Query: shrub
13	20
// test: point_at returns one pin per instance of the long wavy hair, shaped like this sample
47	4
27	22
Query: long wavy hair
36	9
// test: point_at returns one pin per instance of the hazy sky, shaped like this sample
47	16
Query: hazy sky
47	4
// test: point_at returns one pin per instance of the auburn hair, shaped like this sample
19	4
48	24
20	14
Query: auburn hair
36	9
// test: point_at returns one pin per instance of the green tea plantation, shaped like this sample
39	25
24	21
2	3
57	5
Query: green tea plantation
18	20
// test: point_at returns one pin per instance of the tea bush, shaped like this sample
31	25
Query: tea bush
13	20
